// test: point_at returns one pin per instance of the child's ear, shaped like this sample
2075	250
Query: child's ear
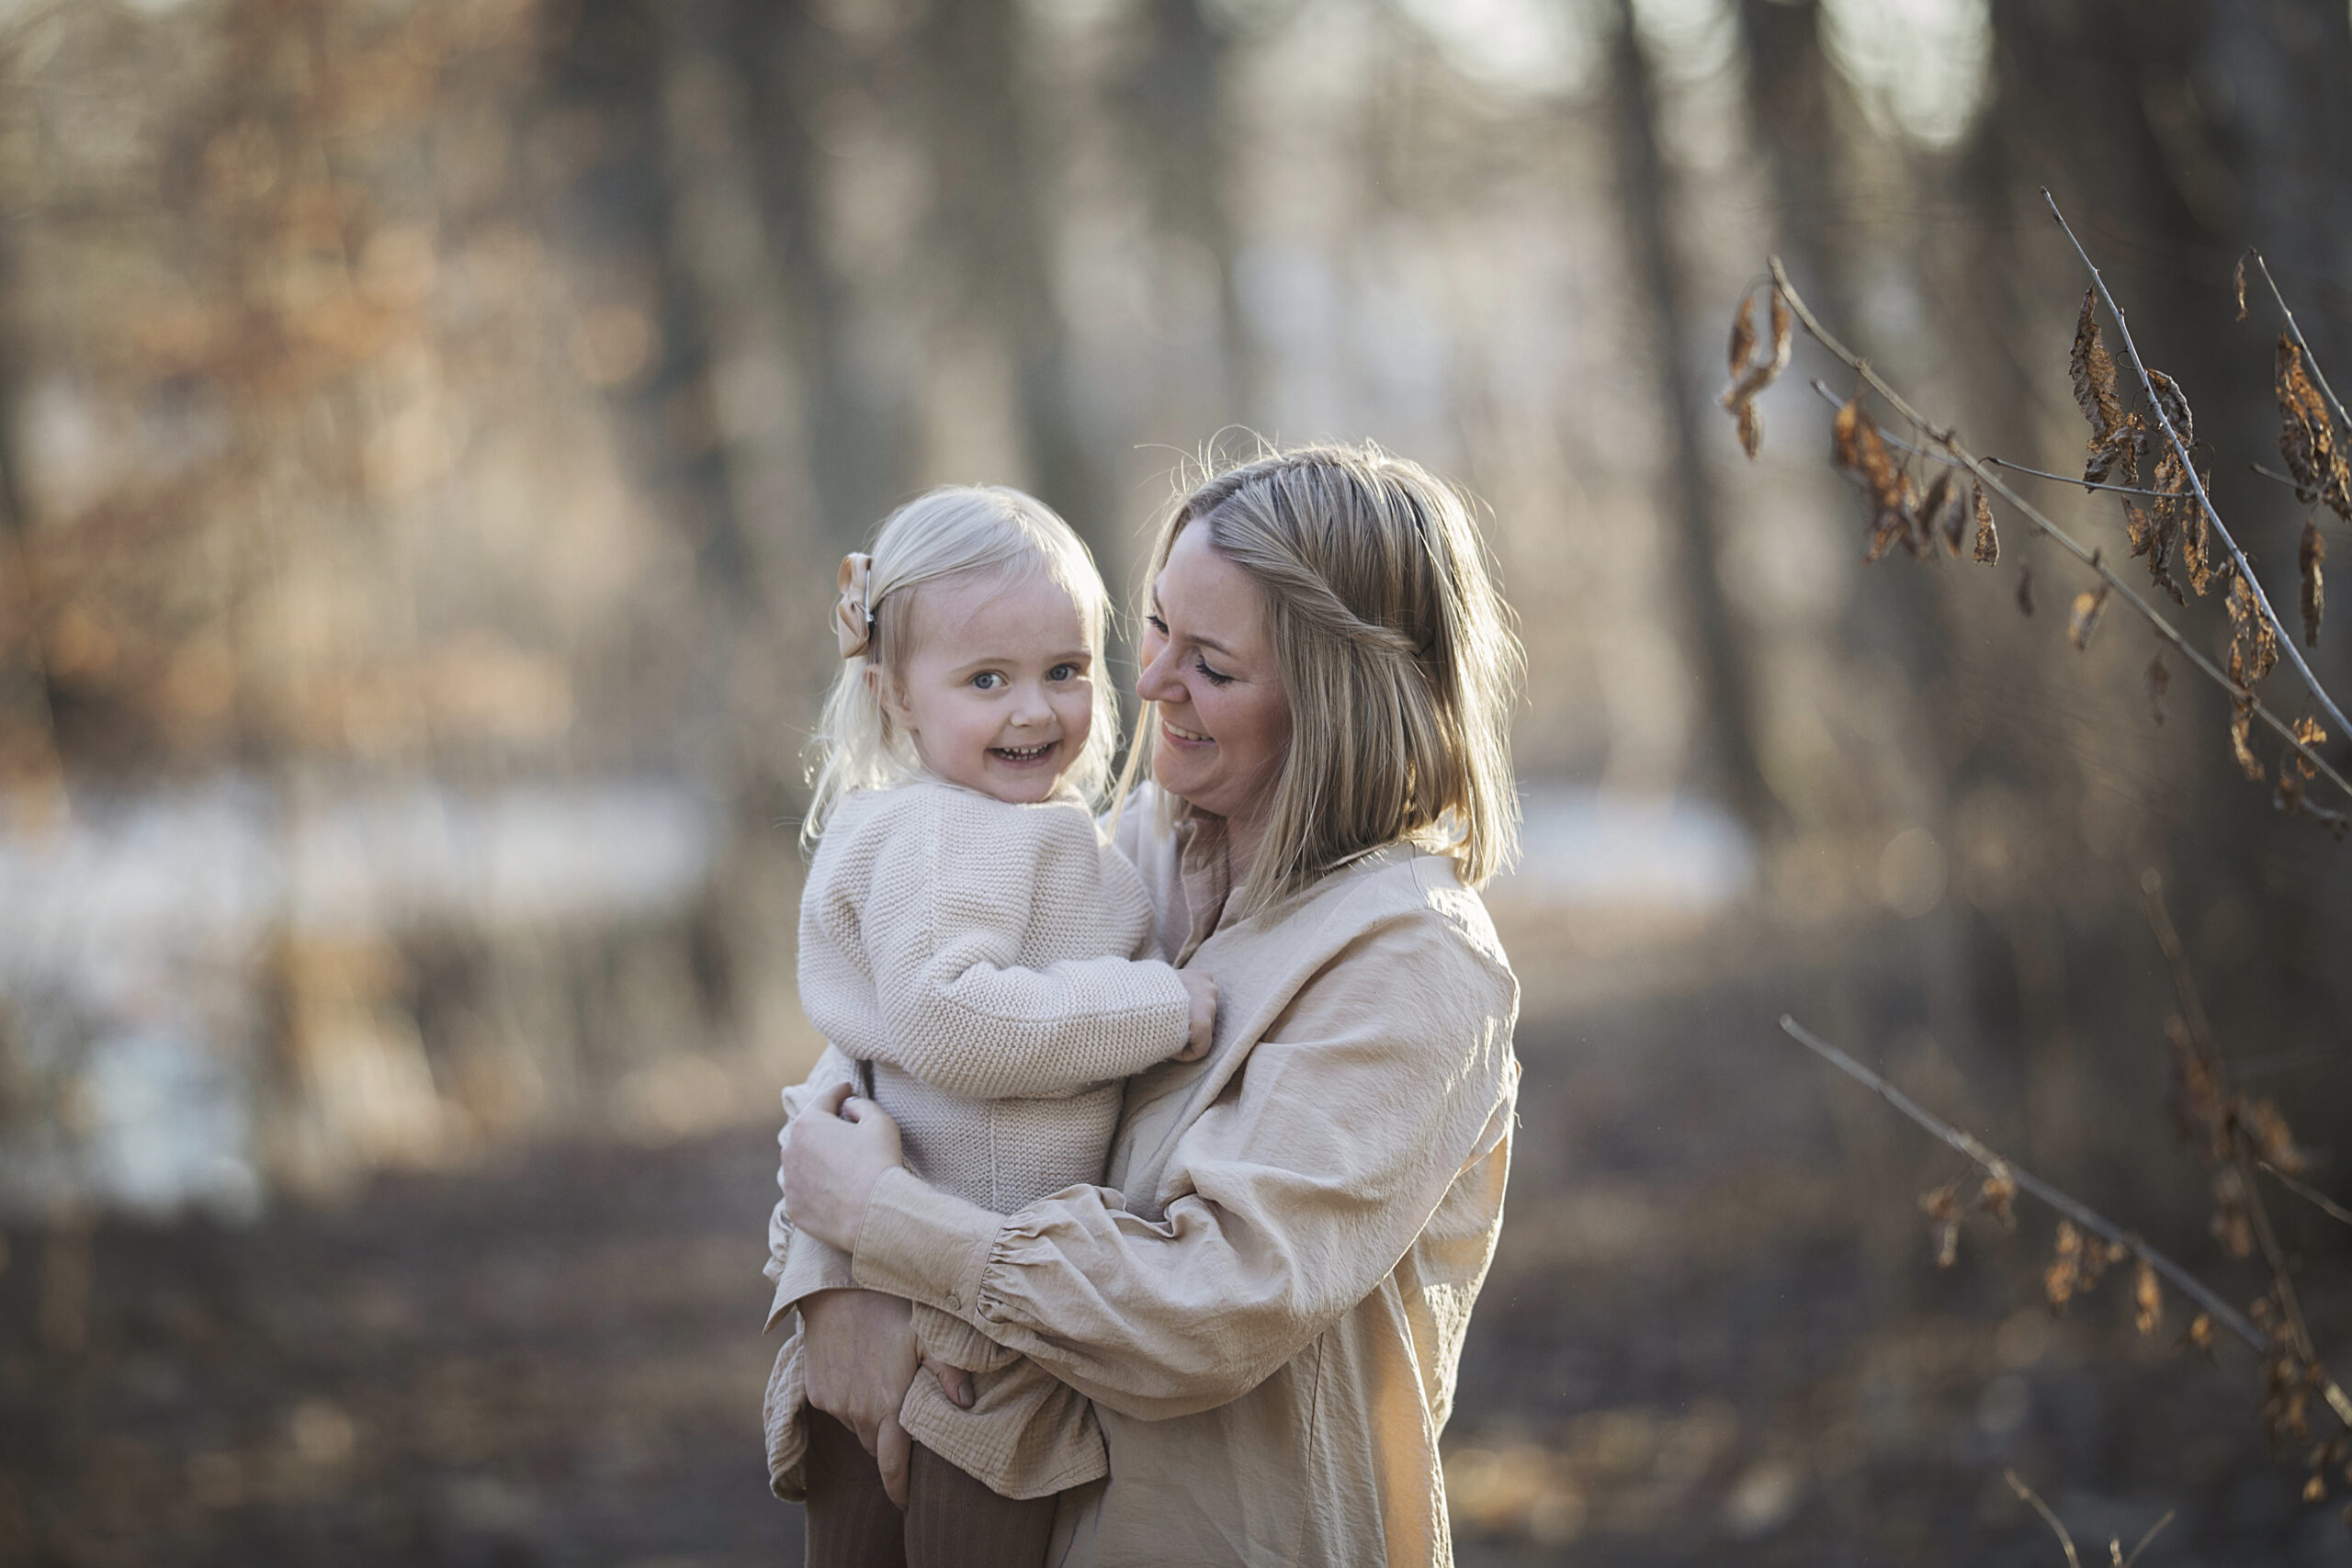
893	694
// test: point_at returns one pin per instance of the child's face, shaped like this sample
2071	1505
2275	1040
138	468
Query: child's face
997	692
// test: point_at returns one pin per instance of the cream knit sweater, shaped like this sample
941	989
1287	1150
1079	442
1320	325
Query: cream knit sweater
993	962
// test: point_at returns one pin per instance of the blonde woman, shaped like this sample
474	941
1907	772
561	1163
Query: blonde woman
1267	1299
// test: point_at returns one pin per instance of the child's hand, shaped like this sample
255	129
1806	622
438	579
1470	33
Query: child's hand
1203	992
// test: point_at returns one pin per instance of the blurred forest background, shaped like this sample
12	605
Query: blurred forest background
428	429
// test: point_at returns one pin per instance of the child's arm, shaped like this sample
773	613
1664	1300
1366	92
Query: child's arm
960	1014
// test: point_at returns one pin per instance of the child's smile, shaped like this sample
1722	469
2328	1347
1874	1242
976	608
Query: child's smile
998	691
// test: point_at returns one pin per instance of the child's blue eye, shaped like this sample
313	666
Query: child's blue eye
1062	673
988	680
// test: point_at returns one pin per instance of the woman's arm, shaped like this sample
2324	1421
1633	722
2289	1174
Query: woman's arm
1301	1187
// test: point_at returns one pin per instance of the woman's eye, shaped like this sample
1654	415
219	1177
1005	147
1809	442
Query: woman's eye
1155	624
1215	678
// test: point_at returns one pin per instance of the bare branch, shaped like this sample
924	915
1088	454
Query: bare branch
2310	361
2071	480
2309	1194
2189	469
2242	1153
2048	529
2022	1490
2154	1531
2089	1219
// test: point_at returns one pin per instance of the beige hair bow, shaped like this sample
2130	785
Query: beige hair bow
854	617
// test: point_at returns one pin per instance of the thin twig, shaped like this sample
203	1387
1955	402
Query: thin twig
2243	1154
2309	1194
1949	461
2212	513
2311	360
2070	480
2287	479
2049	530
2154	1531
2098	1225
2022	1490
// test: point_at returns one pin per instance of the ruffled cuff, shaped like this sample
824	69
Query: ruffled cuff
927	1245
801	1265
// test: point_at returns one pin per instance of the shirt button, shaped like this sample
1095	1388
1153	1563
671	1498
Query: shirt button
955	1301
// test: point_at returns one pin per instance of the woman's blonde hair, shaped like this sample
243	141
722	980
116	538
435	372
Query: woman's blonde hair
954	531
1396	653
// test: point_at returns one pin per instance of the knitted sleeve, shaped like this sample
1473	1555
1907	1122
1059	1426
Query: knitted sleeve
955	896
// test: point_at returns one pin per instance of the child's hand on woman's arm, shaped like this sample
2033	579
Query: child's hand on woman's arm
1201	991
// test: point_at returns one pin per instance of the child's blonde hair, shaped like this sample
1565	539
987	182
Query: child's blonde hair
953	532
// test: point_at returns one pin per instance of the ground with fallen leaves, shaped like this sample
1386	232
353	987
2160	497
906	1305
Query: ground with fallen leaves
1715	1332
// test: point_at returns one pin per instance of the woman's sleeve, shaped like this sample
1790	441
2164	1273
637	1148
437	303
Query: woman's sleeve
959	1013
1303	1186
799	1265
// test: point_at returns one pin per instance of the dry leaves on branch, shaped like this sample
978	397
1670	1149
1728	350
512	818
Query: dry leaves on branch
2253	646
2308	438
2075	1264
1988	538
2090	605
1944	514
2147	1299
2172	406
2296	770
2311	559
1942	1209
1861	454
1752	372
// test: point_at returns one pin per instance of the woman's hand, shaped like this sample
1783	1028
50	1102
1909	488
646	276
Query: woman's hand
858	1359
833	1154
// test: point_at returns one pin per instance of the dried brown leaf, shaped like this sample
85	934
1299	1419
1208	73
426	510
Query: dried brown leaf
1742	336
2311	557
2230	1225
2063	1276
2093	371
2311	733
2198	1335
2253	645
1751	429
2147	1299
2237	282
2159	677
2090	605
2025	590
1942	515
1988	538
2241	732
1942	1209
2308	440
2172	403
2273	1139
1998	1196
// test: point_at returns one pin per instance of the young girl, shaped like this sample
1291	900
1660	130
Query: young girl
969	941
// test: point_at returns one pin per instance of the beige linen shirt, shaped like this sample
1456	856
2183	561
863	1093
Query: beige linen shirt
1267	1304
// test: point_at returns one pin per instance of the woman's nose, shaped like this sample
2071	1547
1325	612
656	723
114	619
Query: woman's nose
1158	682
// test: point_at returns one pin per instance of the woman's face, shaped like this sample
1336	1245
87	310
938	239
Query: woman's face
1209	663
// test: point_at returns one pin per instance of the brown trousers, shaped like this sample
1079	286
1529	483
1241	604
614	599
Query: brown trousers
950	1518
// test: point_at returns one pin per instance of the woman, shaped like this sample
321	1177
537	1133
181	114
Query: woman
1267	1301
